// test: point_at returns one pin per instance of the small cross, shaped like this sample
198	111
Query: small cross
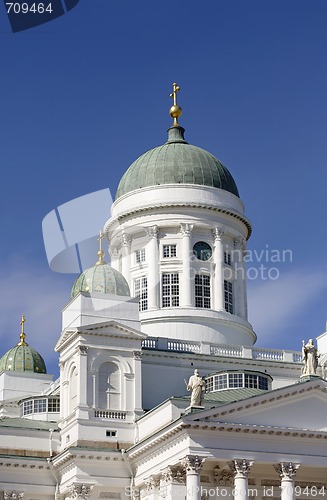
23	323
173	95
100	239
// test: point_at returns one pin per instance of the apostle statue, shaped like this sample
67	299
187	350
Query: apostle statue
310	357
196	384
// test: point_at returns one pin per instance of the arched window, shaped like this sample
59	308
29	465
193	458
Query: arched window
73	390
109	387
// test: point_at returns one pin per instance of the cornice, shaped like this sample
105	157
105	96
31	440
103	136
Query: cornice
68	457
71	334
233	213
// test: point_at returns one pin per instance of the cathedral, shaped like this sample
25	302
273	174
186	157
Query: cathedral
163	392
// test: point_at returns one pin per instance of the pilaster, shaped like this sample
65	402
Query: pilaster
186	288
240	277
152	257
218	259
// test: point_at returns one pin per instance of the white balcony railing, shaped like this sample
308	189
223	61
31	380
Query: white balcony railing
166	344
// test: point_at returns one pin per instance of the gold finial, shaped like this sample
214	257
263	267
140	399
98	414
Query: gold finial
100	252
22	335
175	111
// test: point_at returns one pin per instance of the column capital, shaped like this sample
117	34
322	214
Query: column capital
152	231
152	483
217	233
126	240
240	467
137	354
80	491
186	229
113	252
240	243
82	349
286	470
174	474
192	464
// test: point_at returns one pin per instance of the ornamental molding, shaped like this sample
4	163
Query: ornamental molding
137	354
82	349
240	467
233	213
186	228
13	495
222	477
286	470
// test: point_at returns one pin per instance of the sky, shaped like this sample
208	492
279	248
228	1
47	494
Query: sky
87	93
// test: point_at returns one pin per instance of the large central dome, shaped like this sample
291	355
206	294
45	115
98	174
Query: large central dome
176	162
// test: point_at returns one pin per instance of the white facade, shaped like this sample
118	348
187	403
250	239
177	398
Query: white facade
118	422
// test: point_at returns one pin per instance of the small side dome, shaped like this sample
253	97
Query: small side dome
22	357
101	278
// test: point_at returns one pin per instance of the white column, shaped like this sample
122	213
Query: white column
186	282
152	485
137	384
193	466
126	263
218	259
240	277
241	469
152	257
287	471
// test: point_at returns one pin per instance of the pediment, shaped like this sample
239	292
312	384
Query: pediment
302	406
110	329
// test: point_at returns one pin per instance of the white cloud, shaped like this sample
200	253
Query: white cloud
275	305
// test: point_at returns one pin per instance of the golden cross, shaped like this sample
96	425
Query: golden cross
173	95
23	323
100	239
22	336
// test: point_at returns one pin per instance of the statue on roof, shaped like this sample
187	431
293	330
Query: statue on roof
310	357
196	384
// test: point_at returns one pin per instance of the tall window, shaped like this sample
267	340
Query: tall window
140	256
73	390
109	387
141	290
228	289
227	258
169	251
170	290
202	290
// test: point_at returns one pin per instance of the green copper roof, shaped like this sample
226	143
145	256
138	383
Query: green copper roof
101	278
22	358
176	162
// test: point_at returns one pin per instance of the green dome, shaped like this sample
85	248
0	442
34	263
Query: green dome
101	278
22	358
176	162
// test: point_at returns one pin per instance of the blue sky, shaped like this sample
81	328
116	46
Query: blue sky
86	94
